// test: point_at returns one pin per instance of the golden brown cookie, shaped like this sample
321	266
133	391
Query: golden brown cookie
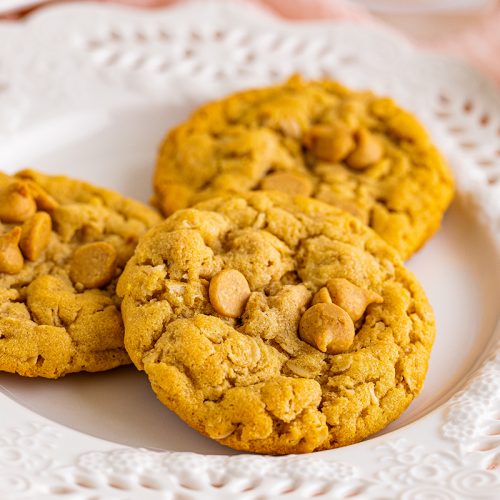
275	324
354	150
63	245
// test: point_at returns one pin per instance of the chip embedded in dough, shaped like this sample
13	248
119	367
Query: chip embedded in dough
258	381
355	150
59	312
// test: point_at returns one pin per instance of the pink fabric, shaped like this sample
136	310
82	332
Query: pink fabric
480	43
316	9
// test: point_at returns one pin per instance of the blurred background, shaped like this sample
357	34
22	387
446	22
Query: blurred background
468	29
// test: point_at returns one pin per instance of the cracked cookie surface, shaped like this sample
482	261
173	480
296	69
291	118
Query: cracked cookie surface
59	313
354	150
212	302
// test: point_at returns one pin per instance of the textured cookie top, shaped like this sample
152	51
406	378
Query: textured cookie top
63	244
275	324
354	150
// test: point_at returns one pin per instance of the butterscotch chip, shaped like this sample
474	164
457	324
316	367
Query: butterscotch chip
229	292
288	182
93	265
353	299
367	152
360	151
35	235
330	143
247	379
11	258
16	202
327	327
322	296
50	326
43	200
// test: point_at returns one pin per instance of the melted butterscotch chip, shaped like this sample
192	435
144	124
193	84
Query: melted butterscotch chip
368	150
229	293
93	265
327	327
330	143
288	182
322	296
11	258
16	202
351	207
44	201
353	299
35	235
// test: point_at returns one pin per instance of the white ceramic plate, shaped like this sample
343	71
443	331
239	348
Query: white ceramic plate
89	91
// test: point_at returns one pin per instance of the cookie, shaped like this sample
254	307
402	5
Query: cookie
275	324
63	245
354	150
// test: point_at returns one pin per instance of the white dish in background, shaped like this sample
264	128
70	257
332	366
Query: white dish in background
89	91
